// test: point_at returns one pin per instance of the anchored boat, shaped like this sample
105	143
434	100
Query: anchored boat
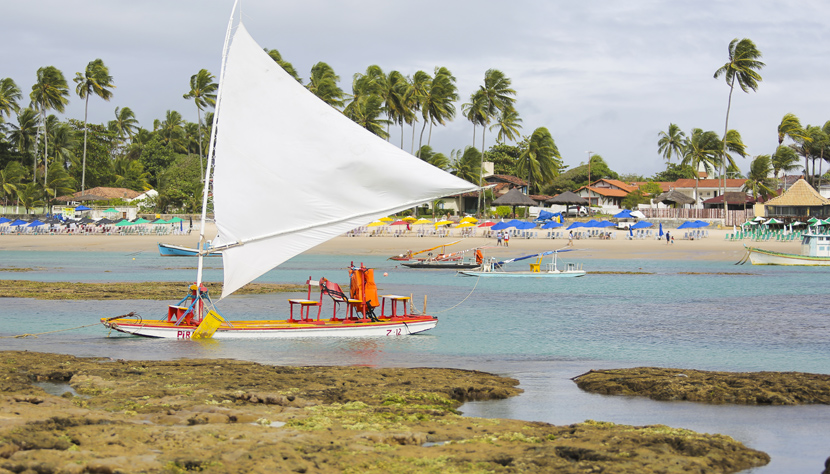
538	268
815	251
270	133
170	250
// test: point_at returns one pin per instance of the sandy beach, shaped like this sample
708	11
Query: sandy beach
714	247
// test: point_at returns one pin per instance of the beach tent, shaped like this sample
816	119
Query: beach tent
641	225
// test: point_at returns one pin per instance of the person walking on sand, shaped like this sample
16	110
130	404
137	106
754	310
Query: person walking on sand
507	239
668	238
570	238
498	238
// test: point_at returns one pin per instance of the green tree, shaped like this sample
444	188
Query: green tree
10	178
439	160
784	159
171	131
508	124
9	95
64	141
757	179
58	184
100	149
323	84
790	126
96	80
506	157
180	185
277	57
541	161
29	195
130	174
671	142
465	164
674	172
743	66
50	92
702	149
156	157
395	94
366	112
124	126
437	102
203	92
23	135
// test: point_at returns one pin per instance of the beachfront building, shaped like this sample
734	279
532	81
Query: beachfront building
707	187
801	201
606	193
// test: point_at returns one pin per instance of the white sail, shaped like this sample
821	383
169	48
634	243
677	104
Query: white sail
292	172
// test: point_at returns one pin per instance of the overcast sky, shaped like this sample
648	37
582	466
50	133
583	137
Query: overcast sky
604	76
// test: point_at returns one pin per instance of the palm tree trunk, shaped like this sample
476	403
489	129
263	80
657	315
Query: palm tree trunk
83	164
421	139
725	131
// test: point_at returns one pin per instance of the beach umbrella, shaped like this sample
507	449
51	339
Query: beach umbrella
422	221
760	219
123	223
502	225
4	220
103	221
525	225
160	221
641	225
112	209
36	223
386	219
686	225
592	223
813	220
701	223
376	224
797	223
487	224
606	223
624	214
400	222
141	220
82	208
409	219
18	222
638	214
551	225
661	230
630	232
442	222
575	225
173	220
545	215
469	219
462	225
773	221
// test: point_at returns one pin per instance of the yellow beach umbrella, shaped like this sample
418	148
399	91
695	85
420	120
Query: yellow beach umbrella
422	222
409	219
376	224
443	222
469	219
386	219
464	224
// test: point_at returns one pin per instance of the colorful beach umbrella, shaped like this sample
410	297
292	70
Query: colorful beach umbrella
376	224
487	224
400	222
386	219
409	219
469	219
462	225
442	222
112	209
422	222
551	225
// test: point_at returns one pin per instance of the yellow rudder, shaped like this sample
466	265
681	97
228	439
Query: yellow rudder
208	326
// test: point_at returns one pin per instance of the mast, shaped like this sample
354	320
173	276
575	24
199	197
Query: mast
211	149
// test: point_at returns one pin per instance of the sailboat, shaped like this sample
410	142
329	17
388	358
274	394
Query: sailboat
410	255
288	173
470	258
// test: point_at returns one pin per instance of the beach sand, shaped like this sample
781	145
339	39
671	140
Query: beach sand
714	247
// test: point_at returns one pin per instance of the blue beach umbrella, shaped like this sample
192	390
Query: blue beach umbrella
525	225
661	230
3	220
551	225
625	214
605	223
18	222
501	225
630	232
575	225
36	223
641	225
83	208
687	225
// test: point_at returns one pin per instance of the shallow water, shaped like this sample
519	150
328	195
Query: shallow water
541	331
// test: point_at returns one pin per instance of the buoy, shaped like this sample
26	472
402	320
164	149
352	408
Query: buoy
133	258
384	273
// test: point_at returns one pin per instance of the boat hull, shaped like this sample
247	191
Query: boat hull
169	250
403	326
498	274
767	257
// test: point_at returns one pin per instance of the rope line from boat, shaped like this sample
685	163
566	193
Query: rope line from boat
744	258
415	311
21	336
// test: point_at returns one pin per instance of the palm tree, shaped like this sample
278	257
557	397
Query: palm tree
395	95
124	125
24	134
790	126
437	105
541	161
49	92
438	160
130	174
671	142
323	84
465	163
743	66
701	149
733	144
171	130
9	95
63	142
203	92
366	112
29	195
785	159
277	57
59	184
757	179
96	80
508	123
475	111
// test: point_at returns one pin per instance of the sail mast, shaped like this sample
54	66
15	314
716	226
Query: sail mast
211	148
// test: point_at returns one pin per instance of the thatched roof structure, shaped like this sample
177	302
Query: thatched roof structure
514	197
799	194
568	197
99	194
676	197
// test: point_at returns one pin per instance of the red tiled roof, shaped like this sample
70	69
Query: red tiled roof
507	179
106	193
611	192
615	182
664	185
708	183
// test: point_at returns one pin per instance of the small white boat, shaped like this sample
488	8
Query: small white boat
538	268
815	251
170	250
272	138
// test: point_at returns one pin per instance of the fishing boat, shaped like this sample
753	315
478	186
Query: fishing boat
270	134
410	255
170	250
470	258
538	268
815	251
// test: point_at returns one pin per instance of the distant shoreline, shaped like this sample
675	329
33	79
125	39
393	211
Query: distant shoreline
714	247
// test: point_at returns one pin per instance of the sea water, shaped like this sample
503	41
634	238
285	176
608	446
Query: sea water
543	331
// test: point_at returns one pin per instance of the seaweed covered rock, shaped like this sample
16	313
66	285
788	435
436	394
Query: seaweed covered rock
742	388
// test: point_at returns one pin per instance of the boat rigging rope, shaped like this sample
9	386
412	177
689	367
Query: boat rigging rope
744	258
414	311
20	336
